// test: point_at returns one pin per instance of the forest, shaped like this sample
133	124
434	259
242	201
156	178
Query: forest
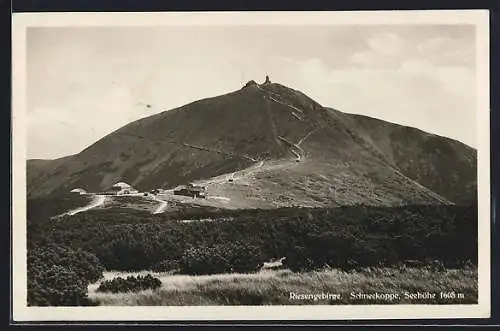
240	241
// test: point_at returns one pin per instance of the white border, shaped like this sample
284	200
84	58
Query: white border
20	21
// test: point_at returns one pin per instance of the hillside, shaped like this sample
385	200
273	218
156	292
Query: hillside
270	146
446	166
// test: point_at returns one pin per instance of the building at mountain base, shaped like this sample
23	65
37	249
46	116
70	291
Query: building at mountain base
120	188
190	190
78	191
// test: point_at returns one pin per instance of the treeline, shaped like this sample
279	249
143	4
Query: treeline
239	241
43	208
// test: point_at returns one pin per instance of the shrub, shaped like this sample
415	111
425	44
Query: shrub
86	265
58	286
299	259
58	276
343	237
245	257
129	284
223	258
166	265
204	260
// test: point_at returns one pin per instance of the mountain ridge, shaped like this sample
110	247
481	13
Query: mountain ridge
361	159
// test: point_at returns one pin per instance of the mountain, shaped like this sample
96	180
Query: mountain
268	145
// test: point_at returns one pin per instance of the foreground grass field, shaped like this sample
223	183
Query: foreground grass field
67	254
391	285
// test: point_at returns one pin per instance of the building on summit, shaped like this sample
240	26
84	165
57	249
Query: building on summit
250	83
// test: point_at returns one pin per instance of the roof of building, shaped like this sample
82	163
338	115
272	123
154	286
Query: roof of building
122	185
78	190
195	185
190	188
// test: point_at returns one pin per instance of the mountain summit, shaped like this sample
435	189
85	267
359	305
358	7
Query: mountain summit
267	145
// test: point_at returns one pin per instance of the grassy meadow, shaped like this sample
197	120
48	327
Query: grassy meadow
274	287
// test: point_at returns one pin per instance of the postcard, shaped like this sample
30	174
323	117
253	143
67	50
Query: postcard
174	166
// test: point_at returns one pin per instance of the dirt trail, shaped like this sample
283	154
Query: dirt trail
247	171
294	148
286	104
305	137
161	208
271	120
231	176
201	148
96	202
279	101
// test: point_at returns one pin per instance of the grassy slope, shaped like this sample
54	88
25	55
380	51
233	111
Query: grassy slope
273	288
43	208
446	166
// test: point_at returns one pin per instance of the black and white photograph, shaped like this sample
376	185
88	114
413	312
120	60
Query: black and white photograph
250	165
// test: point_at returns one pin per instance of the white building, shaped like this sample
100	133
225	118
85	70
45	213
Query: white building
79	191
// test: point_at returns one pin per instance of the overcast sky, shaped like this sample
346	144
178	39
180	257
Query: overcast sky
84	83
